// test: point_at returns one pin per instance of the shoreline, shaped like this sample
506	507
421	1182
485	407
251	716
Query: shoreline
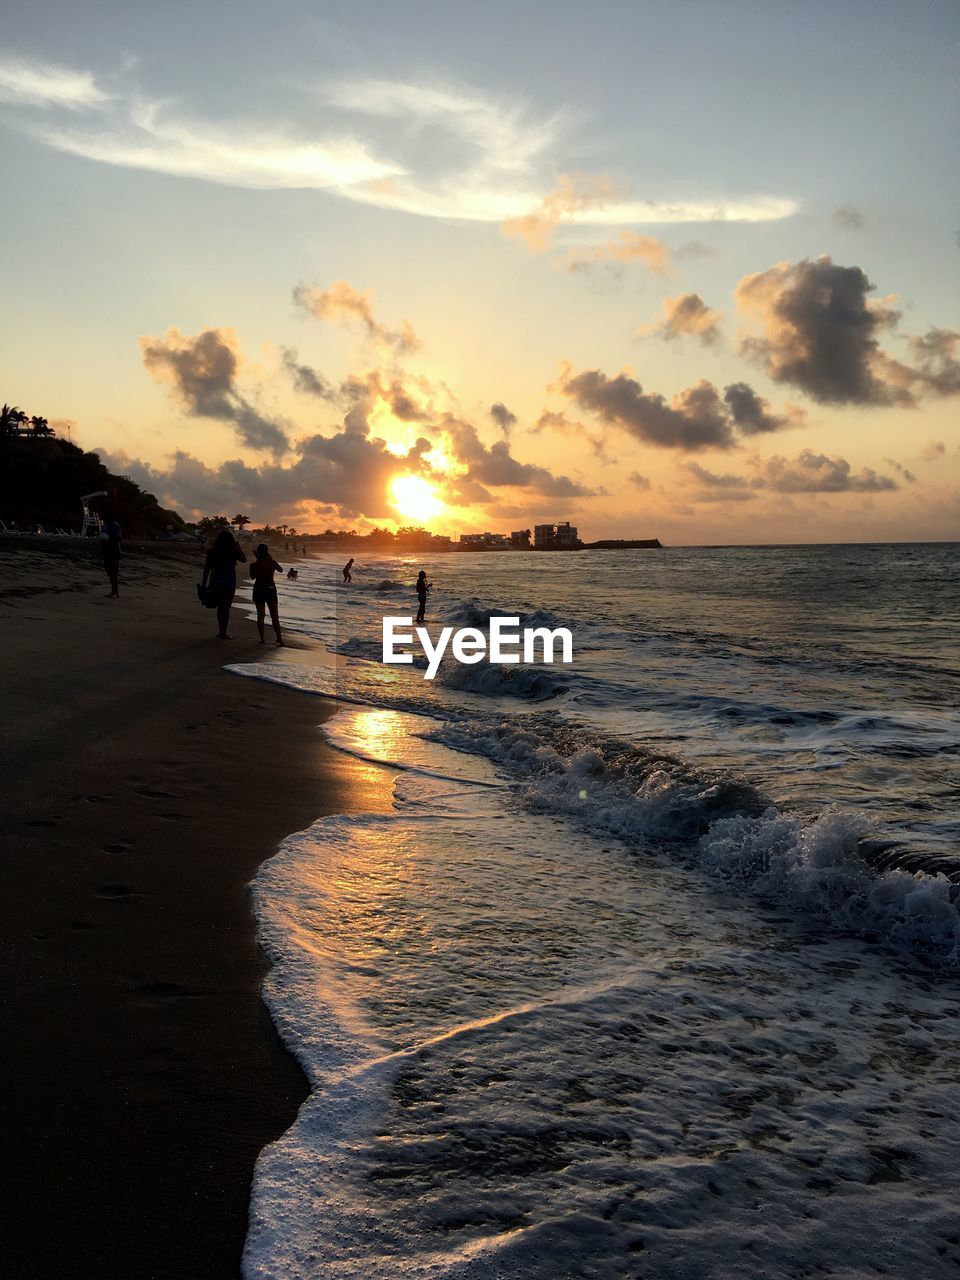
145	787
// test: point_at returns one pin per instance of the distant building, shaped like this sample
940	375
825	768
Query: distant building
520	538
546	536
484	540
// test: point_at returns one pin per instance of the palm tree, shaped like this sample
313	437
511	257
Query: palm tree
40	426
241	522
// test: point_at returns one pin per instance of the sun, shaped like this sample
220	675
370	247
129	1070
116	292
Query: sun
415	498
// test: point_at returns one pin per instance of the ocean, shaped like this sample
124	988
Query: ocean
653	969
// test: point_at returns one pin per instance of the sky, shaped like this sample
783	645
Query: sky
681	270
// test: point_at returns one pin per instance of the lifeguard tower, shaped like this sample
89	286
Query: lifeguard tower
91	521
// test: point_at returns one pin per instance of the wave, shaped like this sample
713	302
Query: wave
727	827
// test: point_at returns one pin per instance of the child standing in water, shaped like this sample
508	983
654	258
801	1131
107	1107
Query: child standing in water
265	590
423	586
347	575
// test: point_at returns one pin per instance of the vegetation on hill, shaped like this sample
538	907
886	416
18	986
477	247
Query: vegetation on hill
42	479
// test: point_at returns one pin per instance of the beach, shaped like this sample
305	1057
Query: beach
143	786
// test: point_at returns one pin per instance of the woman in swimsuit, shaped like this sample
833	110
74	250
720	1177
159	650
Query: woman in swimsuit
264	589
423	586
220	573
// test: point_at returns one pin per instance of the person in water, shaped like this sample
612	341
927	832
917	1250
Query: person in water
220	575
347	575
110	539
423	586
265	590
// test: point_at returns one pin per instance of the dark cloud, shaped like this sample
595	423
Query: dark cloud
751	413
639	481
720	488
502	416
901	470
848	217
816	473
348	472
495	465
820	333
935	361
342	303
808	473
306	379
203	372
695	419
687	315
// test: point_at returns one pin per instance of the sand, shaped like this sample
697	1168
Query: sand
143	785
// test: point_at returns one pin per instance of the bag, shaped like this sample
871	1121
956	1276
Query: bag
207	596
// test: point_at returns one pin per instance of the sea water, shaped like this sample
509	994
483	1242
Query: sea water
652	971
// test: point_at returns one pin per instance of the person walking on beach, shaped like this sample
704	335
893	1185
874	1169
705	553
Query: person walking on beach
265	589
110	538
423	586
347	575
220	575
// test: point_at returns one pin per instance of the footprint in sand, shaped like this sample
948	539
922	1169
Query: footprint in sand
150	793
112	891
117	846
44	822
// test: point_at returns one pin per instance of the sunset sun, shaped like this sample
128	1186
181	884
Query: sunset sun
415	498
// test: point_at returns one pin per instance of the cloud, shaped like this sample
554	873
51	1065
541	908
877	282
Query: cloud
594	199
348	472
720	488
147	135
627	247
687	315
342	303
901	471
848	217
495	465
549	420
820	333
936	364
933	450
203	371
434	150
573	194
751	413
29	83
502	416
696	249
816	473
306	379
638	481
809	472
695	419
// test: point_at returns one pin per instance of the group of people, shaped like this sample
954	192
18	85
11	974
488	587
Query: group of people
219	584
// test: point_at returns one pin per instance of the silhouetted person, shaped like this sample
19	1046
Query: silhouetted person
423	586
265	589
110	538
293	574
220	575
347	575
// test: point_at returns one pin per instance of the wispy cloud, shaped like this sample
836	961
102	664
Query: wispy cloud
150	136
29	83
341	302
439	150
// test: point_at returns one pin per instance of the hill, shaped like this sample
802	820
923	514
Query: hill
42	480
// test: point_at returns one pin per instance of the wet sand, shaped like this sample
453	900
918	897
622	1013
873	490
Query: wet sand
143	785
